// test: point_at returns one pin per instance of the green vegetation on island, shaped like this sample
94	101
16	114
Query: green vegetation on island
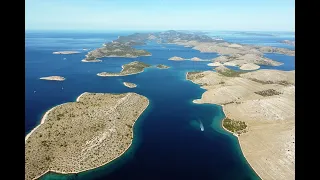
128	69
115	49
234	126
227	72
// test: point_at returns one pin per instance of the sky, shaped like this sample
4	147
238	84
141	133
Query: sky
242	15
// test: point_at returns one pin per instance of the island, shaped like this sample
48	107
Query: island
53	78
134	67
253	34
66	52
83	135
116	49
292	43
129	85
176	58
195	59
260	110
95	60
162	66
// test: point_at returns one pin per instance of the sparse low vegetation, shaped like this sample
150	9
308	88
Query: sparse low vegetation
268	92
81	135
284	83
230	73
195	75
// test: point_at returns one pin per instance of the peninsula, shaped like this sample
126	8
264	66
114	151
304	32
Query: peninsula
134	67
66	52
260	110
83	135
129	85
53	78
162	66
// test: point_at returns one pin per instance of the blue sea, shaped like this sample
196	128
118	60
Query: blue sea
168	142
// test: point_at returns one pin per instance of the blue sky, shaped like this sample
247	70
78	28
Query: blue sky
250	15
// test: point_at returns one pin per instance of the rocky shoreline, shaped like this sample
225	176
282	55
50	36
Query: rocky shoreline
83	135
266	105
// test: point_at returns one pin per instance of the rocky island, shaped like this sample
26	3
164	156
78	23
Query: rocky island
176	58
53	78
195	59
129	85
292	43
116	49
162	66
94	60
66	52
134	67
260	110
79	136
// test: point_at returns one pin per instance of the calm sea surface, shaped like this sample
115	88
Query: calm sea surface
168	142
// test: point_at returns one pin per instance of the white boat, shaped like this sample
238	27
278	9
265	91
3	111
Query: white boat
201	126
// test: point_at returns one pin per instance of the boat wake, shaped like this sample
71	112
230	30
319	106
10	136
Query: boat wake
201	126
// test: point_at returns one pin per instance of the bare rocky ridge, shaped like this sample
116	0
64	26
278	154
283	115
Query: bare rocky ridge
249	66
265	101
78	136
239	60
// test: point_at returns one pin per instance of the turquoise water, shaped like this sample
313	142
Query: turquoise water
167	141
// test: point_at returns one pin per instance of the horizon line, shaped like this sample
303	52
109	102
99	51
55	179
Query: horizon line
92	30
